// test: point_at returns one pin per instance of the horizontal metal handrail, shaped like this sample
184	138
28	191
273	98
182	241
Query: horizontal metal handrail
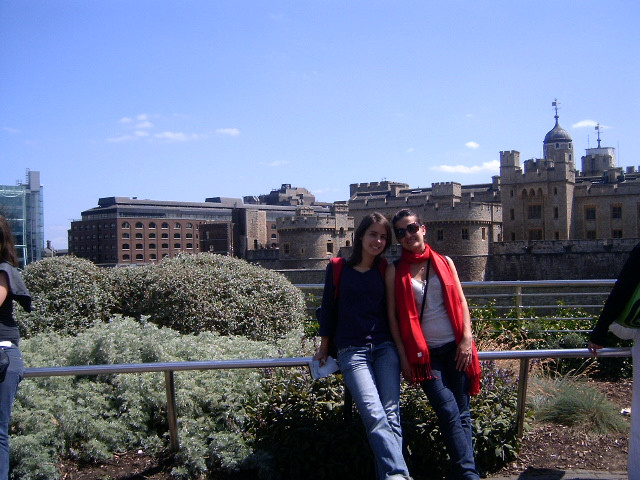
170	367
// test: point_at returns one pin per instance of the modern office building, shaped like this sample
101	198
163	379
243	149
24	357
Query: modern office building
22	206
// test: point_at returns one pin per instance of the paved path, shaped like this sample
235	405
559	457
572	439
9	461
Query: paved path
557	474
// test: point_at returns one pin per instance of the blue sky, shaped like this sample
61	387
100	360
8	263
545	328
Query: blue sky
182	100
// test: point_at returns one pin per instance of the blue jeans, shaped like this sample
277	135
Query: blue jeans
372	375
8	389
448	394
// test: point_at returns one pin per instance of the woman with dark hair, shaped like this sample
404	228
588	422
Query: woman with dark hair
353	321
11	365
425	300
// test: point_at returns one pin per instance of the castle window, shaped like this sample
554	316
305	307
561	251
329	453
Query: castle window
286	248
348	244
591	235
513	237
440	235
590	213
555	212
555	190
329	247
255	244
465	234
484	233
616	211
535	234
274	236
556	235
616	234
341	231
534	212
512	214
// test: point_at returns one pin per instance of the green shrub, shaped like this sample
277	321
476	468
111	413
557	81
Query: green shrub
206	292
302	430
69	295
89	417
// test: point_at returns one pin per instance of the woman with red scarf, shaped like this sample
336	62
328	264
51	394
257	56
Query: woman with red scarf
425	300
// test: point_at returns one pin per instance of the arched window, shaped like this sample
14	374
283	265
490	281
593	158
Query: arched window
189	225
139	257
177	225
165	225
152	224
125	246
139	225
125	225
126	256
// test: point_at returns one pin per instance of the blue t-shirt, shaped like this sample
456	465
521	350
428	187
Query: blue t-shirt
360	316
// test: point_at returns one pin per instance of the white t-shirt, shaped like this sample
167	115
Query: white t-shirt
436	326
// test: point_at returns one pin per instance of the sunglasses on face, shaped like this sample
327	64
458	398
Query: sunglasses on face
411	228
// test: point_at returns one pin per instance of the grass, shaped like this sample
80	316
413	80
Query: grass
573	402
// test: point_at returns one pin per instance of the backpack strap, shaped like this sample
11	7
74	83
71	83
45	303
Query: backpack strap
336	265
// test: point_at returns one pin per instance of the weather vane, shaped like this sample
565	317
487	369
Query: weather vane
598	130
555	104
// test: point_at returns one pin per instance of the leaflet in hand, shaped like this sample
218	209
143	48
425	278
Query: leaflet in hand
325	370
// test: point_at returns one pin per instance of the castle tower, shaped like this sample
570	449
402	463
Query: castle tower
558	145
598	160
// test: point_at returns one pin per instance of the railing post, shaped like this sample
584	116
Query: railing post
172	415
518	302
523	381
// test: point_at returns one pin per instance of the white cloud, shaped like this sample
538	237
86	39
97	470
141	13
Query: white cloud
472	145
232	132
176	136
141	133
145	124
411	150
584	123
13	131
125	120
492	166
276	163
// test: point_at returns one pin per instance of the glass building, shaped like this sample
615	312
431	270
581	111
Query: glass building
22	206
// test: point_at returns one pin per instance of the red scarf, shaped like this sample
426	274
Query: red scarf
410	324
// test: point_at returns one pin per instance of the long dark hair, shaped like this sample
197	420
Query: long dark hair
365	223
7	245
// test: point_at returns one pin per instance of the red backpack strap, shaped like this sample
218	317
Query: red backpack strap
336	265
382	266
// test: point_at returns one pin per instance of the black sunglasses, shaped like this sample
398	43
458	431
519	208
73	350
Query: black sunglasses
411	228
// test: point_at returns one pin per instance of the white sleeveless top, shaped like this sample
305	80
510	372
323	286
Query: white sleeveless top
436	326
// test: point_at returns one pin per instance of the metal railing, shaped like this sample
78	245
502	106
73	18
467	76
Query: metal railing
544	297
170	367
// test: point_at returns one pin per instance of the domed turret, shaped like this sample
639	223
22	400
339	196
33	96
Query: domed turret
557	134
558	142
